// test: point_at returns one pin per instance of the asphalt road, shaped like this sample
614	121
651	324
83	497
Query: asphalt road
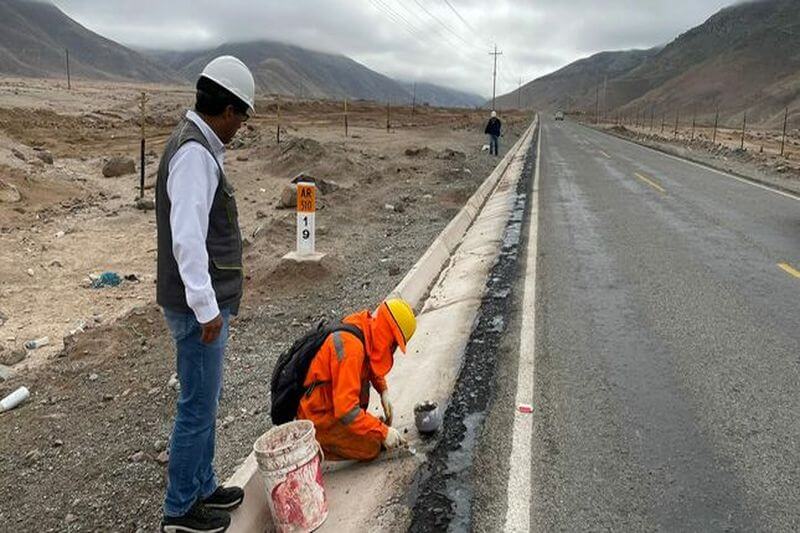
667	362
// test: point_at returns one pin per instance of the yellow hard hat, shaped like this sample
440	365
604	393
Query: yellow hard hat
404	319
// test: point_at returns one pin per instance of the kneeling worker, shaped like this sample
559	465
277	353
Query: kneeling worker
338	381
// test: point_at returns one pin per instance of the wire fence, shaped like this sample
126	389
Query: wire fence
729	131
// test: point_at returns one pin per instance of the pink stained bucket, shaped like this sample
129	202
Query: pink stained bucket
290	461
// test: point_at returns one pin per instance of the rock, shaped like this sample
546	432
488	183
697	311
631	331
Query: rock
242	158
19	155
33	456
260	215
5	373
70	518
288	197
160	445
93	377
326	186
108	397
45	156
137	457
173	383
30	272
118	166
58	443
418	152
388	207
451	154
9	194
13	357
163	457
394	270
3	318
145	204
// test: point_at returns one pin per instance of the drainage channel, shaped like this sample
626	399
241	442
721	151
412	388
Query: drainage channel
443	489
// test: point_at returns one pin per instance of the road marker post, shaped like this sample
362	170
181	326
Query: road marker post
305	251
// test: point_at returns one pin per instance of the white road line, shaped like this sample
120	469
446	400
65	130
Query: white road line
712	169
518	493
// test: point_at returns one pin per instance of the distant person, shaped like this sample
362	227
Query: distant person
493	131
200	285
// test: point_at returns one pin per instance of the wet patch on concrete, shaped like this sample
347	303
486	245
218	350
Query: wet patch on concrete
443	490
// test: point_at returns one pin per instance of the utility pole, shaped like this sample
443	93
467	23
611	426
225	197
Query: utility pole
597	104
69	81
694	122
663	119
278	129
605	98
744	128
677	115
345	117
652	115
142	103
785	122
388	116
413	101
519	94
494	74
716	123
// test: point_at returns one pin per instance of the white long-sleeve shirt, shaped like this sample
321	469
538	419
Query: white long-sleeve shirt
192	183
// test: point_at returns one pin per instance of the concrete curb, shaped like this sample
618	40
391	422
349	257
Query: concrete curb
252	516
697	161
418	281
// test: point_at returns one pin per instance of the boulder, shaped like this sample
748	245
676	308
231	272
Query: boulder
145	204
288	197
119	166
45	156
9	194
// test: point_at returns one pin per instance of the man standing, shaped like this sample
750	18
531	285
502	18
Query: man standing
200	285
493	131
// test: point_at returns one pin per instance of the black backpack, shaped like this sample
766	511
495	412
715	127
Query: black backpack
290	371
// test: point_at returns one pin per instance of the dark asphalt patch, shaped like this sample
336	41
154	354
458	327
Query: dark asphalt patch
443	490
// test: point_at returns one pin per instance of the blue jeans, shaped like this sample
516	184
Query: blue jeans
494	144
191	471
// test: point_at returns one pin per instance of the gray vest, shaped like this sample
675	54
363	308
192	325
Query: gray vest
223	242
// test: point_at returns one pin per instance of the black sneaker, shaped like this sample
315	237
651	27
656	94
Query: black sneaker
199	519
225	498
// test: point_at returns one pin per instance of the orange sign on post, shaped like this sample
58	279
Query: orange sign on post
306	207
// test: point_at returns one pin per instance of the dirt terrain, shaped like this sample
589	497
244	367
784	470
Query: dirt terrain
85	453
760	159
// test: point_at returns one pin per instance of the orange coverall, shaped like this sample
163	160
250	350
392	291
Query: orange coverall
337	387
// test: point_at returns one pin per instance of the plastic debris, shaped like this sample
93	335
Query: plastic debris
525	408
14	399
37	343
106	279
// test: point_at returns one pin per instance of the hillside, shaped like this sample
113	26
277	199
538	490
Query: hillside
746	57
34	35
574	86
436	95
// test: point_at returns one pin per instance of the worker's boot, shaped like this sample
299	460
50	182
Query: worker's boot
225	498
199	519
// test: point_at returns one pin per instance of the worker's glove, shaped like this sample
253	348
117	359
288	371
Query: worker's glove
387	407
393	440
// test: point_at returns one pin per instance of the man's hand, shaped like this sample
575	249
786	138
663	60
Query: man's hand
211	330
393	440
387	407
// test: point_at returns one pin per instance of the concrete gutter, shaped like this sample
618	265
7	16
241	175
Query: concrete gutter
452	275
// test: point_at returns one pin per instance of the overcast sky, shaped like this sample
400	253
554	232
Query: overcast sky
441	41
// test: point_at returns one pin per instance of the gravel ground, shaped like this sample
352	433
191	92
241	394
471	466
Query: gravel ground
85	453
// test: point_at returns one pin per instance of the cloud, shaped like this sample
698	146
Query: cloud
423	40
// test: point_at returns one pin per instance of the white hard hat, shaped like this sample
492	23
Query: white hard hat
232	74
494	114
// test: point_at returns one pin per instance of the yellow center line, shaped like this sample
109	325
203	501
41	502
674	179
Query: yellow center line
789	270
651	183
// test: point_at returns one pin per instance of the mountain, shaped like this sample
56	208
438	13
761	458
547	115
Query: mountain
436	95
34	36
280	68
575	84
746	57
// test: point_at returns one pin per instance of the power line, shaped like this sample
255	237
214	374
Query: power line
442	24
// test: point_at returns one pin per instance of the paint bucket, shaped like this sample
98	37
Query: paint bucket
427	417
290	461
